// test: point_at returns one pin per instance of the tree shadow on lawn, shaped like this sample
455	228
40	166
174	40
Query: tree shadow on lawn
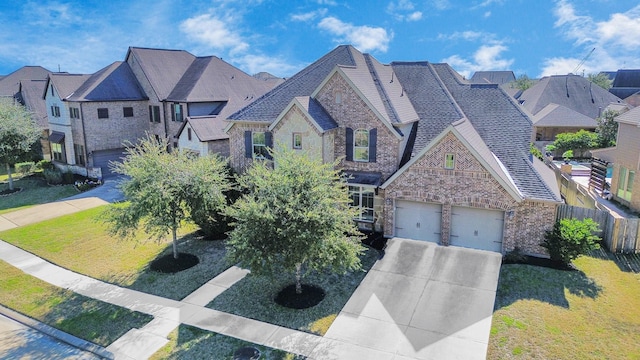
519	282
194	343
254	297
177	286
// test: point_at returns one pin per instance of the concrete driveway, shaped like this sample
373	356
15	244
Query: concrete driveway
423	301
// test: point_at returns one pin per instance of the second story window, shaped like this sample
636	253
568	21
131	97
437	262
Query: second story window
449	161
103	113
127	111
154	113
55	111
297	141
74	113
361	145
176	112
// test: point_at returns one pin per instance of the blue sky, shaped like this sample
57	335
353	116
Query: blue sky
537	38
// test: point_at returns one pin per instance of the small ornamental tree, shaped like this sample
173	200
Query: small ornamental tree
571	238
18	134
161	187
296	216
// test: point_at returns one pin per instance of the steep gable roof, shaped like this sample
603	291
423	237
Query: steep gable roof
66	84
630	117
571	91
304	83
30	95
561	116
206	128
163	68
212	79
312	110
492	77
9	84
115	82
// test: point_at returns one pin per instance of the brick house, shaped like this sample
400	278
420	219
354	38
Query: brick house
429	155
625	157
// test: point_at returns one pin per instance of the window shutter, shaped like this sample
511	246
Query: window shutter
268	141
248	145
173	112
150	114
181	113
349	146
373	142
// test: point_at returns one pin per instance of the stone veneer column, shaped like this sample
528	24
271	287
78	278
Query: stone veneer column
445	226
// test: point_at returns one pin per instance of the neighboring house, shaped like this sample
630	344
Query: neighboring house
93	116
26	85
180	85
626	83
428	155
492	77
564	103
625	156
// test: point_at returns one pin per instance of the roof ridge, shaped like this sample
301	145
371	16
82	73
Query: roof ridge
446	90
391	111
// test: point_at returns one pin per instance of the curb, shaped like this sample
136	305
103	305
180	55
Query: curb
57	334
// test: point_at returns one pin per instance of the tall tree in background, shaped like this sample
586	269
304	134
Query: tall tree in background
295	216
601	80
607	129
161	187
523	82
18	134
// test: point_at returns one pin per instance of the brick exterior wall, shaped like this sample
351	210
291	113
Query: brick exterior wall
354	113
153	128
236	144
471	185
111	133
220	147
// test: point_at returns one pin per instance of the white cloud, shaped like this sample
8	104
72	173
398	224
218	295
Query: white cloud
327	2
215	32
467	36
364	38
487	14
253	64
403	10
440	4
304	17
616	40
414	16
487	57
486	3
51	14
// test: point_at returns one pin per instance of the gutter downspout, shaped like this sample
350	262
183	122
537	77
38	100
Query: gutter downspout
84	138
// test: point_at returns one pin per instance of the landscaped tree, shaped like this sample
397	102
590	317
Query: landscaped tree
161	187
601	80
607	129
571	238
523	82
296	216
18	134
579	142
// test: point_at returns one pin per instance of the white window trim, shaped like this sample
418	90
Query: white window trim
293	141
254	144
362	189
356	147
453	161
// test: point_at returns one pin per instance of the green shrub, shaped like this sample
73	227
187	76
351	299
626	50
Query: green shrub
571	238
44	165
25	168
53	176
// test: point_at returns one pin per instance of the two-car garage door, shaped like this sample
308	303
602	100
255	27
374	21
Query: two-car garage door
470	227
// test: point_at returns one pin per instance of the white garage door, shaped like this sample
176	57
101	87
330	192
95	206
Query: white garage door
477	228
418	220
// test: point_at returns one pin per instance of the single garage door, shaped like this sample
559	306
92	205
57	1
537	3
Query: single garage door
102	158
477	228
418	220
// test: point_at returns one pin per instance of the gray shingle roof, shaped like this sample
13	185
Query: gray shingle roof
30	96
163	68
560	116
208	128
492	77
67	84
317	112
115	82
269	106
571	91
9	85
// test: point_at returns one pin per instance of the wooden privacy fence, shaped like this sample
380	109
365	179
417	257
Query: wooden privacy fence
620	235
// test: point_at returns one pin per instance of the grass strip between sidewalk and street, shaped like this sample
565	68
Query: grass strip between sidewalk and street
542	313
92	320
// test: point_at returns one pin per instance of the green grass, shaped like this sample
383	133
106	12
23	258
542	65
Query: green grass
541	313
253	297
189	342
89	319
34	191
81	242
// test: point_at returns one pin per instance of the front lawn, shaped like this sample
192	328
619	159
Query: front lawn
253	297
86	318
187	342
80	242
34	191
541	313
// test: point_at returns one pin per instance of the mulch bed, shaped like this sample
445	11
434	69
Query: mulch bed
311	296
168	264
7	192
539	261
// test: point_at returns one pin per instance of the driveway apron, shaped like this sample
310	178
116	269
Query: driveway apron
423	301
